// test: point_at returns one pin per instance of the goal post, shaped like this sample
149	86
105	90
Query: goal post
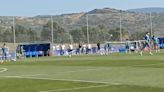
124	46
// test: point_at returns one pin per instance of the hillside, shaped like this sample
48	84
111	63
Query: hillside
110	18
106	20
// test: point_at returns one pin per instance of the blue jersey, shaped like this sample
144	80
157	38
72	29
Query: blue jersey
147	38
4	50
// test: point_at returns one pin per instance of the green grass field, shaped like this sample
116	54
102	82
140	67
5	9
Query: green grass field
88	73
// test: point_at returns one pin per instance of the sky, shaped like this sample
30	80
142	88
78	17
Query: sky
56	7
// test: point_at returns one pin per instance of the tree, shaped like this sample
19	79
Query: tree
78	35
137	35
32	35
60	35
94	35
25	34
115	34
7	36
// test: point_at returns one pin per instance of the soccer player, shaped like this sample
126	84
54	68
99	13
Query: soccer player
147	44
98	48
84	50
107	48
89	48
48	53
79	48
156	44
70	50
4	51
62	48
127	46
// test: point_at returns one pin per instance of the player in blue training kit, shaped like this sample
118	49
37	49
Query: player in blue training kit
4	50
156	44
147	44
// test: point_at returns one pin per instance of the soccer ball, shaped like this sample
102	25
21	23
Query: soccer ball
1	61
13	60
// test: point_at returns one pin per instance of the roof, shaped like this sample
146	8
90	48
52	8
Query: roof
34	43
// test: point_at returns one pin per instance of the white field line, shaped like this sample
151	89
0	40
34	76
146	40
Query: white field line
3	70
28	75
84	70
149	64
33	77
77	88
69	80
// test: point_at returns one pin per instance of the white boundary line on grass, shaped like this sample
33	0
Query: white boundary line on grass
28	75
3	70
149	64
69	80
61	72
70	89
83	70
33	77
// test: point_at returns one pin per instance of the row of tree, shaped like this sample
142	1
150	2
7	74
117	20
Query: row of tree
22	34
97	33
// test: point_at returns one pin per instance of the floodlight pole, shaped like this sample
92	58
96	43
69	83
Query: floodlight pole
120	27
14	36
87	29
52	34
52	29
128	28
14	30
151	25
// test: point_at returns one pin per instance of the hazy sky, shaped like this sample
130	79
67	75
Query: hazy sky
50	7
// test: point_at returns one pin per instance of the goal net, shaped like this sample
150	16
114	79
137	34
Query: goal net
125	46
